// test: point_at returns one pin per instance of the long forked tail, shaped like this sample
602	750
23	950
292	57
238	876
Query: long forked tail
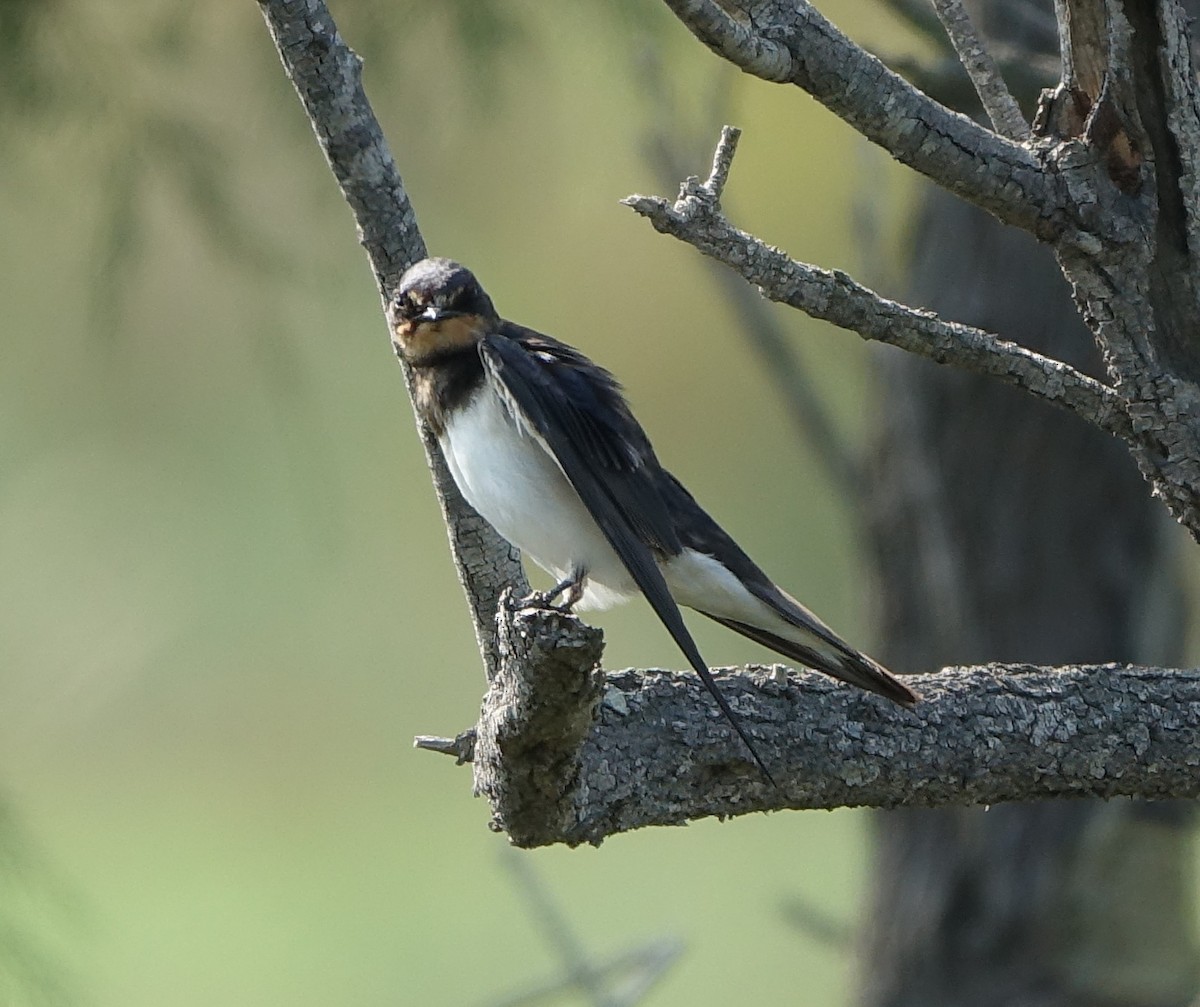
844	663
655	590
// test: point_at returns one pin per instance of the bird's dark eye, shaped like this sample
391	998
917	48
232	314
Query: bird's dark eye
408	305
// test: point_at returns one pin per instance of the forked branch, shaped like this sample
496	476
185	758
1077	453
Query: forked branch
696	217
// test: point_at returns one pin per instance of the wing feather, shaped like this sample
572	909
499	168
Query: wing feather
576	411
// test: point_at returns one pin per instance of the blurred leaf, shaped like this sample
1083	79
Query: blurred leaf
25	81
29	977
195	163
29	974
119	237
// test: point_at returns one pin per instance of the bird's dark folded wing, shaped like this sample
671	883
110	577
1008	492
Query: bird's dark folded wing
576	411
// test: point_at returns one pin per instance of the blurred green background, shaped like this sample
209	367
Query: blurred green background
227	603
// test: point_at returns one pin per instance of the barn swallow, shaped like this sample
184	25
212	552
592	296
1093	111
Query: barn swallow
543	445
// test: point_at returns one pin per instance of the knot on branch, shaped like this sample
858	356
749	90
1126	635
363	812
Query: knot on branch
537	711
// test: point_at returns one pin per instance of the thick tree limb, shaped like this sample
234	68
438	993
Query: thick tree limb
327	76
697	219
649	748
792	43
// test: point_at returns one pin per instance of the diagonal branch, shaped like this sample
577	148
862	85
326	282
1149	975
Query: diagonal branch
696	218
796	45
327	76
999	104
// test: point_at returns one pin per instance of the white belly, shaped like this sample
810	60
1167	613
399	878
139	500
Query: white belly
511	480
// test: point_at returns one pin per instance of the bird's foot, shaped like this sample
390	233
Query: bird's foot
571	590
539	599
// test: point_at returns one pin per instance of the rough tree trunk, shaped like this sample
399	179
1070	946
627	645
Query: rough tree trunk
1005	530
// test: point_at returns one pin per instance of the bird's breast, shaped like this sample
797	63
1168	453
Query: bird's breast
509	476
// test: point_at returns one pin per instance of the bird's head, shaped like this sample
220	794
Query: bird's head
439	308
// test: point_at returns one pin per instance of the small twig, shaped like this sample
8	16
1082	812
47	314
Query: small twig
461	747
998	102
722	161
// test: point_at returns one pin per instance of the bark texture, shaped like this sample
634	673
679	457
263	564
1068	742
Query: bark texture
575	757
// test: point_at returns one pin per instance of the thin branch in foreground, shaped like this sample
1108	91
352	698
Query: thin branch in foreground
999	104
696	218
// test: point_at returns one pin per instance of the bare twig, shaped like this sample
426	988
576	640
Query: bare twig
462	747
722	161
696	219
997	100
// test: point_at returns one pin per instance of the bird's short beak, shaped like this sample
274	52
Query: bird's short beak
435	314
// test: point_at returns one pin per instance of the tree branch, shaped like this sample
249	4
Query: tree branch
697	219
997	100
1110	182
327	76
658	752
793	43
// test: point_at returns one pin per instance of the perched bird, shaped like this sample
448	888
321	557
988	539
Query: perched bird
542	444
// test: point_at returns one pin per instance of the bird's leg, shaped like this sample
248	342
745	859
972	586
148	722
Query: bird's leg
571	587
